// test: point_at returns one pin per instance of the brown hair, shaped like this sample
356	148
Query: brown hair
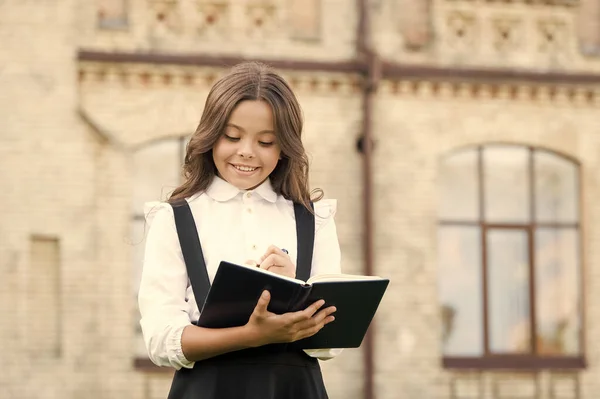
250	81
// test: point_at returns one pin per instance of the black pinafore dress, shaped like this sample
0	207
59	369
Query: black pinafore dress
268	372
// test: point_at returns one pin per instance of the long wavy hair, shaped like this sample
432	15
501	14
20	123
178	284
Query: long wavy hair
250	81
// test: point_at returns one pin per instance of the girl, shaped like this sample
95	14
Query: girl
246	200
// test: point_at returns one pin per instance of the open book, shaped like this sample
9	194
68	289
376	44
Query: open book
235	291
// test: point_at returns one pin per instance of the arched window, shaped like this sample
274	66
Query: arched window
509	258
156	173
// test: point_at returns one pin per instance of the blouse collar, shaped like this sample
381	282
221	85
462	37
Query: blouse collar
220	190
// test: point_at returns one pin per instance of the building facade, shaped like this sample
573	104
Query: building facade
460	138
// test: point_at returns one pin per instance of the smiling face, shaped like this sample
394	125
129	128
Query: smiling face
247	151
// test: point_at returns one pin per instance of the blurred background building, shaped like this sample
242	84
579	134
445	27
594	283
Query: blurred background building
461	138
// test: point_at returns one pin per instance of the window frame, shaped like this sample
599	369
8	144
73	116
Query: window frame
533	360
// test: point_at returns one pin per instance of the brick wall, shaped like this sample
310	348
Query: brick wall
69	130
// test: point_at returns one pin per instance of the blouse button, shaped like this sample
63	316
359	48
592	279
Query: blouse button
248	195
249	210
254	247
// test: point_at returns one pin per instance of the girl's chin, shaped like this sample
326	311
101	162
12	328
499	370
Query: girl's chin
245	182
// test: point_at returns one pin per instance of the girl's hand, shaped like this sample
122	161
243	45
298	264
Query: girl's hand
268	328
277	261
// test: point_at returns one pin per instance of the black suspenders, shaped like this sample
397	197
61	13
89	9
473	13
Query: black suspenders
194	258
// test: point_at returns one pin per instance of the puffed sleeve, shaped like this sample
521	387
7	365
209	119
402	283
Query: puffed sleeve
326	253
162	294
326	256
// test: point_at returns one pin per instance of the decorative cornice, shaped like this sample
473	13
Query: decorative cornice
218	61
128	75
154	70
489	75
563	3
532	93
388	69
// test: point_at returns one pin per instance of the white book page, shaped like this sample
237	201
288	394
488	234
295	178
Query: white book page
275	274
341	277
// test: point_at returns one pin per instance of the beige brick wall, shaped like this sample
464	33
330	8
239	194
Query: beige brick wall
48	189
66	154
412	131
331	130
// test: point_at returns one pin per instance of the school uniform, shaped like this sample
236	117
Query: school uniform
236	226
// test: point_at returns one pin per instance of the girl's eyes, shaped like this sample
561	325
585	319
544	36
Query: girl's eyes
235	139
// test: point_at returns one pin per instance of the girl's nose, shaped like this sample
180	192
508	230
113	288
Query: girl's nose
245	149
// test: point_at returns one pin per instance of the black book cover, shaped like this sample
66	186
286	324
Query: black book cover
236	289
356	302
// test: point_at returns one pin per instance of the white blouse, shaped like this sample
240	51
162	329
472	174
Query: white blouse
235	226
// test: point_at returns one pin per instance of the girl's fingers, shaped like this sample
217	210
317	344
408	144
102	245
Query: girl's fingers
273	250
318	319
275	260
308	313
262	304
314	328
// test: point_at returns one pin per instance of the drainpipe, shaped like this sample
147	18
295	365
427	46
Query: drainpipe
371	75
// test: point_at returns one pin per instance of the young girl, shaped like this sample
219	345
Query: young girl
246	190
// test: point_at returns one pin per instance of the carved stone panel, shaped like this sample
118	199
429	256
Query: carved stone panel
564	386
165	19
513	34
461	30
261	18
304	19
415	22
112	14
507	33
552	35
466	386
588	26
213	18
513	386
